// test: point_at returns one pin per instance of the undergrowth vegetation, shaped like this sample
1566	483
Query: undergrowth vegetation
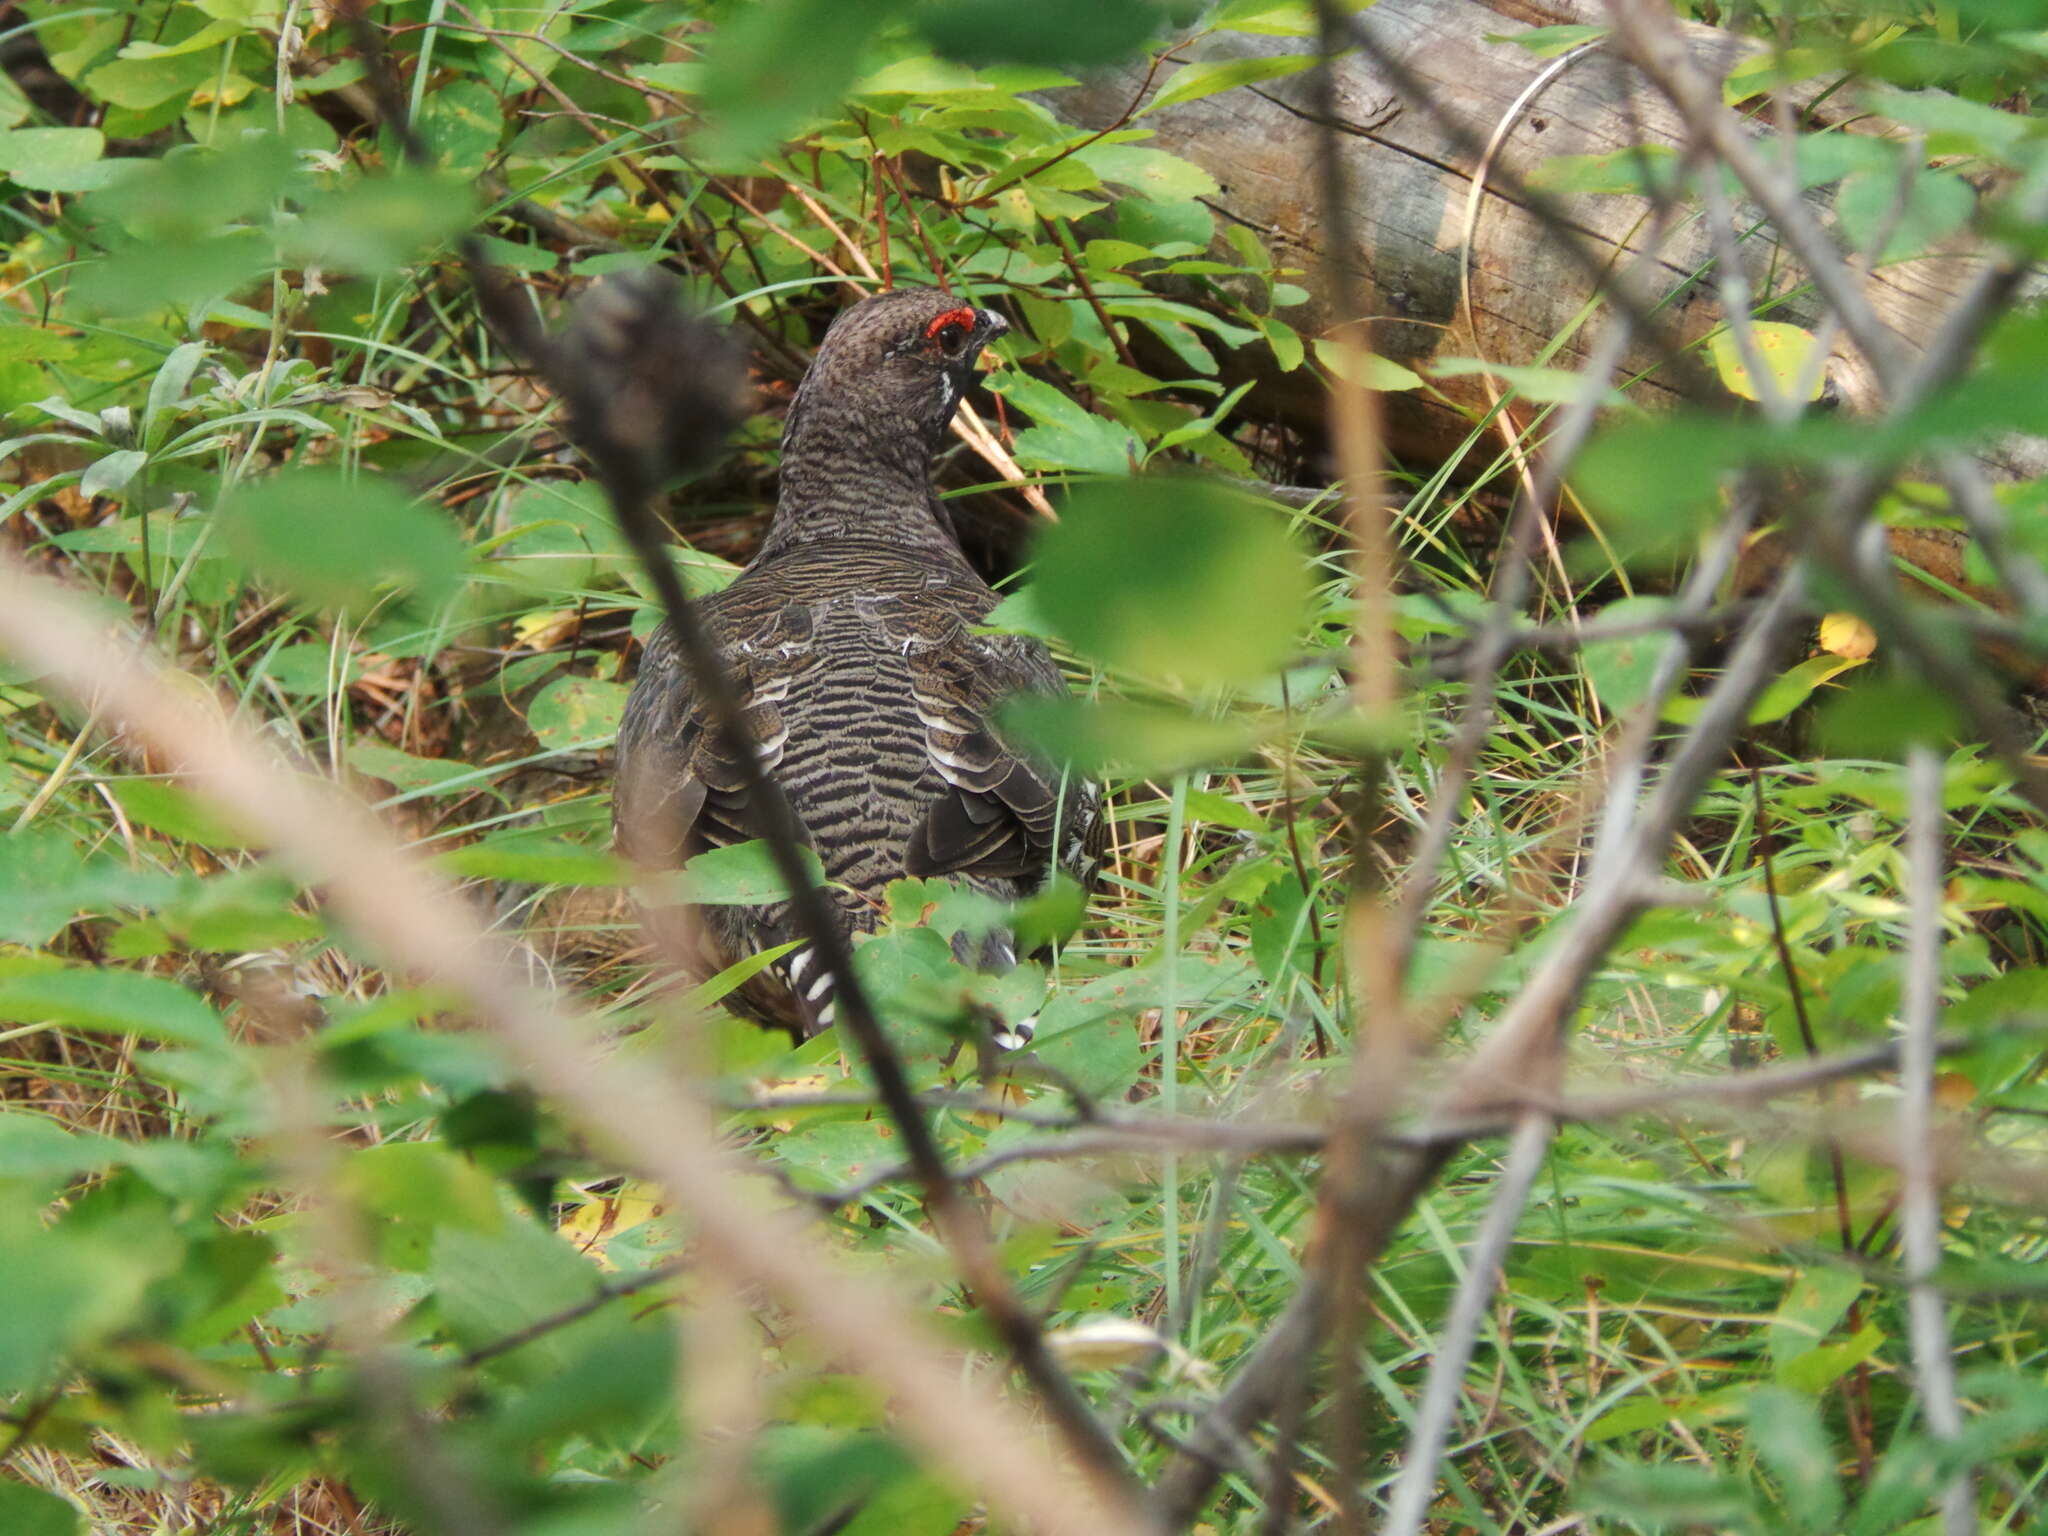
1493	843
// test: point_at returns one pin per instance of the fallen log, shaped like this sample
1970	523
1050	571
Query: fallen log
1412	176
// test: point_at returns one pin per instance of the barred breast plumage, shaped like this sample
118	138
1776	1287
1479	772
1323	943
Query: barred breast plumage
869	696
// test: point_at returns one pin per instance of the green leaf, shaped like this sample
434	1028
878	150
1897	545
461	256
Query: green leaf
1550	42
311	669
14	104
562	528
379	224
112	1001
1638	1413
247	909
406	771
1643	170
1820	1368
491	1285
167	390
65	1289
1787	691
1880	714
733	977
26	1511
1152	173
1379	372
1191	82
1776	67
39	1149
413	1189
1265	18
1174	577
1285	342
1670	1495
165	808
208	37
1813	1304
22	342
1541	386
1067	437
1658	481
462	124
1620	670
1138	738
536	859
1956	126
1092	445
742	875
46	880
194	195
774	64
109	474
517	255
1179	226
1826	157
1054	34
1939	204
577	712
334	540
53	159
141	83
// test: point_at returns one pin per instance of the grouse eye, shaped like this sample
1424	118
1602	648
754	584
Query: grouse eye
950	329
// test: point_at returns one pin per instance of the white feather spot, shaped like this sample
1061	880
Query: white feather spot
1016	1036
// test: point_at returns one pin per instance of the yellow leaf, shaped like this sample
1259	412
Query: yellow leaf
1783	351
545	627
602	1217
1843	634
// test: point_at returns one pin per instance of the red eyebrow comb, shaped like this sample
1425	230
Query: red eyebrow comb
962	316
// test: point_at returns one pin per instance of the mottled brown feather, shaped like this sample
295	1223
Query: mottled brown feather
868	694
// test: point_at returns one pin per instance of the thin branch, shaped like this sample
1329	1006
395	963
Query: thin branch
1689	377
1415	1488
1934	1364
642	420
424	930
1657	47
1381	1038
554	1322
1495	1077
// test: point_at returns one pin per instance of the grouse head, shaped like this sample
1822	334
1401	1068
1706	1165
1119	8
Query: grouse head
894	365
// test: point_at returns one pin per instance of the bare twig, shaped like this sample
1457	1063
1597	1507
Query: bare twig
1689	378
1415	1488
1381	1038
1919	1172
1521	1044
1657	47
425	930
620	382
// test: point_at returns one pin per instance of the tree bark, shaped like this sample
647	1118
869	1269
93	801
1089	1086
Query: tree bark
1411	178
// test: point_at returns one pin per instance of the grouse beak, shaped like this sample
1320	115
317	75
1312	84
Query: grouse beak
988	325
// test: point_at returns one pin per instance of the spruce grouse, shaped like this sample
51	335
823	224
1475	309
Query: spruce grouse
851	637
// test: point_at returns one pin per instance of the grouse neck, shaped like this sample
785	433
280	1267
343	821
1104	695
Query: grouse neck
841	482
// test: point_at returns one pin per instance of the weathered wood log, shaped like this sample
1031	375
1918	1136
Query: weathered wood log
1411	179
